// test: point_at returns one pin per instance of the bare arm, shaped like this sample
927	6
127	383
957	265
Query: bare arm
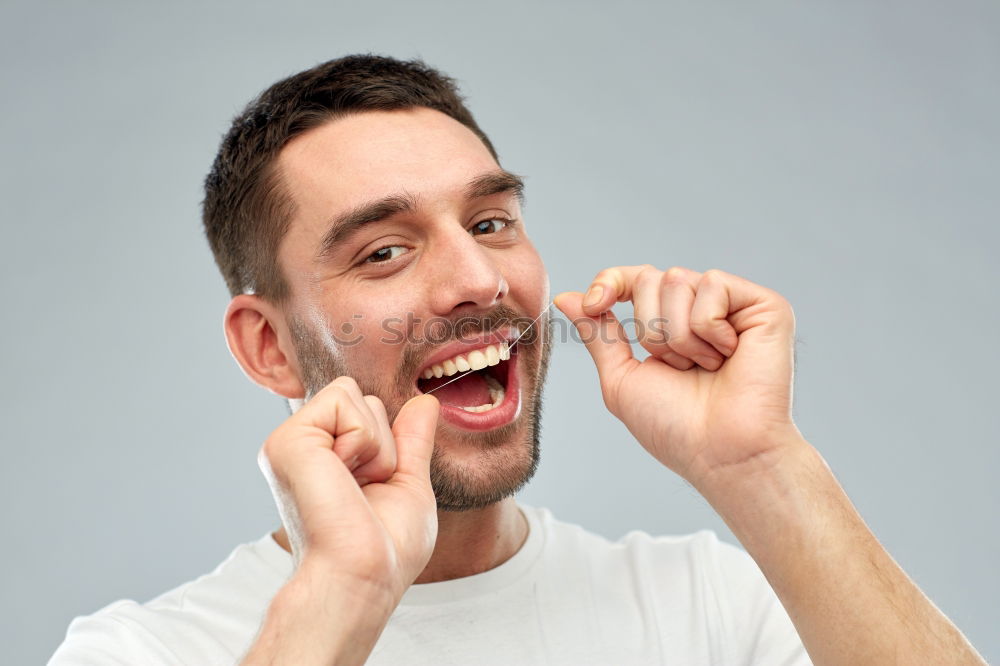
849	600
713	403
319	619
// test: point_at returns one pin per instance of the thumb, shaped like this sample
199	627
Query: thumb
413	431
603	336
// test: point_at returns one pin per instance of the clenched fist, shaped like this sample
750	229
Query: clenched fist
354	493
716	390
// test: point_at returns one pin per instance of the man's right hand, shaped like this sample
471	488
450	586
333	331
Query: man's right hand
356	501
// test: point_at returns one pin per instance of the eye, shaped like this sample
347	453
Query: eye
490	226
385	254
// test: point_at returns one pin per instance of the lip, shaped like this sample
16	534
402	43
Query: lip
504	413
480	341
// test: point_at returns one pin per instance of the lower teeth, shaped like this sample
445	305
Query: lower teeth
496	396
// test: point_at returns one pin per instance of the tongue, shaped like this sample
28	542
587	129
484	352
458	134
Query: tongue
470	390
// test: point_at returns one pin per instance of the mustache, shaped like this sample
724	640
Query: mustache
462	327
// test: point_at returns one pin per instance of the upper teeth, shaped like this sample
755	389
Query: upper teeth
474	360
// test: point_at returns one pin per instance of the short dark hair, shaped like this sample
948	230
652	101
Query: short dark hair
246	211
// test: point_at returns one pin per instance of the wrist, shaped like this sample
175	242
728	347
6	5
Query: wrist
321	582
772	491
323	617
791	515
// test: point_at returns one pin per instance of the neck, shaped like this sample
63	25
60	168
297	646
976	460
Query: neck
471	542
468	542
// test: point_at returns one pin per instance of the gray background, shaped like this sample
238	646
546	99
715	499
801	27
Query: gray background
843	153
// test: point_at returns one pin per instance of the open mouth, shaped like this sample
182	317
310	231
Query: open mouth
475	381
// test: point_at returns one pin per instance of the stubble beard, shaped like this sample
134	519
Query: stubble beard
504	459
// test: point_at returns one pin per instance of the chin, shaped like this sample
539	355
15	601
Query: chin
474	470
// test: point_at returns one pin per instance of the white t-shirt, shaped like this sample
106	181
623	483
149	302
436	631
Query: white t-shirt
566	597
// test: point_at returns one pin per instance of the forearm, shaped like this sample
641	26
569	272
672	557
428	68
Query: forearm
315	619
849	600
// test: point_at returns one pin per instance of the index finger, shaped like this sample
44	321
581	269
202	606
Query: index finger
610	286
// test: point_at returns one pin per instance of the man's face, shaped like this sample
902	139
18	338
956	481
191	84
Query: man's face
407	258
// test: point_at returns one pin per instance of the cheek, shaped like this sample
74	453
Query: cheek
379	327
528	278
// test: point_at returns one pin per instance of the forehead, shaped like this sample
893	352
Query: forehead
363	156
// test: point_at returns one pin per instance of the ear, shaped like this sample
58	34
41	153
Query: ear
259	341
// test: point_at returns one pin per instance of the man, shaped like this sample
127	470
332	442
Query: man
383	283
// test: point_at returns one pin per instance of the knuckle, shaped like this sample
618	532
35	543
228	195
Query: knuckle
368	438
701	323
609	277
382	466
345	382
406	433
350	446
713	275
679	341
375	402
676	360
649	274
605	275
675	275
340	398
658	330
334	392
650	333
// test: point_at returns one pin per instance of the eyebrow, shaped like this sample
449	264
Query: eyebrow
496	182
346	225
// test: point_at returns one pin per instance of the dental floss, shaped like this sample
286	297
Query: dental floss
511	345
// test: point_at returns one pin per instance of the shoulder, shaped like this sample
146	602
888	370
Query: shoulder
115	634
212	616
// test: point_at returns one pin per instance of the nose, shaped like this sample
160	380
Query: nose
465	276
